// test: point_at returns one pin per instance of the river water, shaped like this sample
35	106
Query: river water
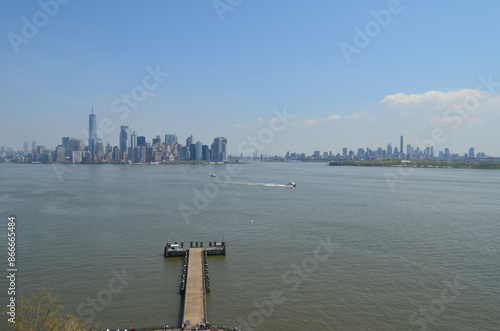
350	248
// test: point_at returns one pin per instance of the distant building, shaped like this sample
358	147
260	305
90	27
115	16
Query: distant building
133	140
66	142
189	140
60	154
170	140
198	151
157	141
141	141
401	147
140	154
133	146
219	149
99	149
124	139
92	131
471	153
447	154
409	151
192	152
205	154
117	155
76	156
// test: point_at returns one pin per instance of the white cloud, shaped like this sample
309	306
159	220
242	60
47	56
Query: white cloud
433	99
314	121
333	118
454	121
362	114
276	121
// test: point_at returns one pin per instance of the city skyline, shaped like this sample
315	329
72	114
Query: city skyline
135	148
350	73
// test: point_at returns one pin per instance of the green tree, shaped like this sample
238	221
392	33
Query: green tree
41	313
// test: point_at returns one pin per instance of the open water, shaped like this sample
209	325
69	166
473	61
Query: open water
351	248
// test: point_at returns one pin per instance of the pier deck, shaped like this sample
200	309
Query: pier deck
194	297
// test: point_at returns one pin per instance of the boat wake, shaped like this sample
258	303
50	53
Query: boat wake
260	184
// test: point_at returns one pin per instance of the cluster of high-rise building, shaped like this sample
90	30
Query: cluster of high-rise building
136	149
132	148
411	152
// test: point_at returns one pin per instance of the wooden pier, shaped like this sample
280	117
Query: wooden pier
195	280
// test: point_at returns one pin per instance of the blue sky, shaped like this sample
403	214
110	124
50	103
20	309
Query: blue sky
427	70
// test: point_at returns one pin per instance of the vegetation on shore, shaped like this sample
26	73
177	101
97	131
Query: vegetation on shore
418	164
41	313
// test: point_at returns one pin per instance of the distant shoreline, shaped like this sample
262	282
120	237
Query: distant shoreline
419	164
125	163
347	163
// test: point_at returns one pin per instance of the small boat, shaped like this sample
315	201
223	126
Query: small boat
291	184
213	175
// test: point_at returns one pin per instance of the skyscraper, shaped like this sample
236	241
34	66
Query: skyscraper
219	147
133	140
124	138
189	140
401	147
141	141
92	131
170	139
471	153
198	151
133	146
66	142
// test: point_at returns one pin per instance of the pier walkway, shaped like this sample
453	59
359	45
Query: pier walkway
194	296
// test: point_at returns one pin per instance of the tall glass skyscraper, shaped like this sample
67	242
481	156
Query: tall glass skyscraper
401	147
92	131
124	139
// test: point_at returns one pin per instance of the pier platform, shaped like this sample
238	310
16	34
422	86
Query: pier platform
195	280
178	249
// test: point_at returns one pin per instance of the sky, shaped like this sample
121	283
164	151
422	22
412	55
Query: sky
269	75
